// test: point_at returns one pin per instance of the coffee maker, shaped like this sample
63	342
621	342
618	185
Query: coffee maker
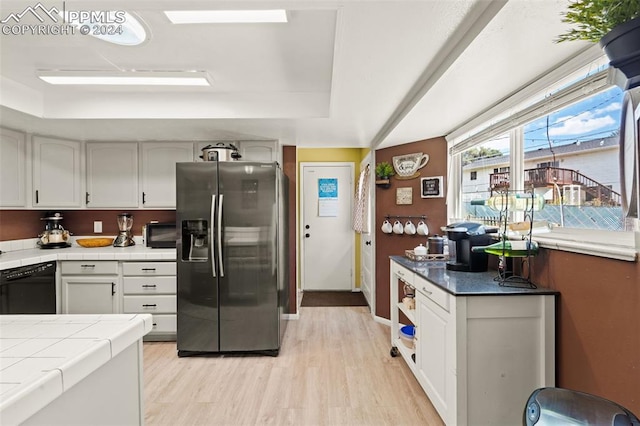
462	237
124	238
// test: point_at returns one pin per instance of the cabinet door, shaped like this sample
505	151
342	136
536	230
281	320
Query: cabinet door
56	172
432	351
89	295
159	172
112	174
12	168
261	151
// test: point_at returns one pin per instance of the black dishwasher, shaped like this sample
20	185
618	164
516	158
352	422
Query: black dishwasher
28	289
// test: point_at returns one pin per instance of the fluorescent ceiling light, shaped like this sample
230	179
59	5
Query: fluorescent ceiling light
126	78
225	16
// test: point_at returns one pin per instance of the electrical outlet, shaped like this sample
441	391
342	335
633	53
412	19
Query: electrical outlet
97	227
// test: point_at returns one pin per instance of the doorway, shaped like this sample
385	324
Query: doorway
327	238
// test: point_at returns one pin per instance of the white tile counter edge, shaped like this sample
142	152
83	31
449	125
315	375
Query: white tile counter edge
17	258
108	335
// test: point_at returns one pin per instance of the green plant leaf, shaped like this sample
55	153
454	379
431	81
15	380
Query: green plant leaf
592	19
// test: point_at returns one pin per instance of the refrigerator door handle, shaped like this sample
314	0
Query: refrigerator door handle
211	244
220	235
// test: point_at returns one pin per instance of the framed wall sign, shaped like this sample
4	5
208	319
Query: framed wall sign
404	196
431	187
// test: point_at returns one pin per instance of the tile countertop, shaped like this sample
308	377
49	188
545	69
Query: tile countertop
14	259
465	283
43	356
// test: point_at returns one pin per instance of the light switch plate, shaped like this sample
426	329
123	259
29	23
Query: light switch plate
97	227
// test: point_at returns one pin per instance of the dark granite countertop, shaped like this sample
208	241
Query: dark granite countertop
465	283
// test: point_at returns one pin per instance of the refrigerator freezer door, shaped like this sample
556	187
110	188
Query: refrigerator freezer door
197	292
249	315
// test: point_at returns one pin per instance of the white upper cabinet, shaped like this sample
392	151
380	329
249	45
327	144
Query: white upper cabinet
56	173
12	168
158	171
112	174
260	151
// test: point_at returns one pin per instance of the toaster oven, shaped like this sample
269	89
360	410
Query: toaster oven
161	235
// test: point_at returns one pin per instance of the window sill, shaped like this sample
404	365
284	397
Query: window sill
609	244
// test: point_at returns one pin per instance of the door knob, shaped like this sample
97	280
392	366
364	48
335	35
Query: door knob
368	243
307	235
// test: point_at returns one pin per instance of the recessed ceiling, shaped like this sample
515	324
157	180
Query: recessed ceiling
345	73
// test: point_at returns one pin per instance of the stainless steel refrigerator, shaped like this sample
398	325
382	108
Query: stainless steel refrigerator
231	255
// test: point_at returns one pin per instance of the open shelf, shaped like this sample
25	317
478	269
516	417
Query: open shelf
410	313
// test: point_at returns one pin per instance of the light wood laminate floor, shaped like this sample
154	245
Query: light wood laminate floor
334	368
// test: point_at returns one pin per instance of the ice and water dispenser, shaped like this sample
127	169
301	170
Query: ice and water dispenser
195	240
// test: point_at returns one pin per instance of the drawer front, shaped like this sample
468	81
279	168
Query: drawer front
403	273
149	285
164	324
150	304
89	267
148	268
436	294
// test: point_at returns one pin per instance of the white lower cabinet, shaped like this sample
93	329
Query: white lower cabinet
90	287
477	357
150	288
435	337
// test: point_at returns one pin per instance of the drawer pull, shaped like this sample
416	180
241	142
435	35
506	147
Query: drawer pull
148	286
87	266
149	305
149	269
426	291
155	324
400	273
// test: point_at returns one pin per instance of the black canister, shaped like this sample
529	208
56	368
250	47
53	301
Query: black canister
436	244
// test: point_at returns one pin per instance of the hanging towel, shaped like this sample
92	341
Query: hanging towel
361	203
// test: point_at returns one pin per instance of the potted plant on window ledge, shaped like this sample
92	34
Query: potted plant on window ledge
615	24
384	171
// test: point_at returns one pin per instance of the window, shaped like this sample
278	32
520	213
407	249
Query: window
486	164
570	157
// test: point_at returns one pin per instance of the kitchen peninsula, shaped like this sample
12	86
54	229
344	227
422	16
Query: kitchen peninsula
480	348
72	369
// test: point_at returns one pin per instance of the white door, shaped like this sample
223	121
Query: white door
366	237
327	235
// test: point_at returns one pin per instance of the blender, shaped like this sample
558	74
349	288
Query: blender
124	238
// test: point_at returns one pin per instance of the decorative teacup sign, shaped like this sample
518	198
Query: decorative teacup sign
407	166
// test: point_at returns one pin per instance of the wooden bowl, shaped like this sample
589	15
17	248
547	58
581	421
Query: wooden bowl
94	242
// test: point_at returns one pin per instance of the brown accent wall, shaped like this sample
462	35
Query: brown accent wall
434	208
598	323
289	167
22	224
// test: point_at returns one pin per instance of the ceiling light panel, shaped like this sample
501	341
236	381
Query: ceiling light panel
126	78
226	16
